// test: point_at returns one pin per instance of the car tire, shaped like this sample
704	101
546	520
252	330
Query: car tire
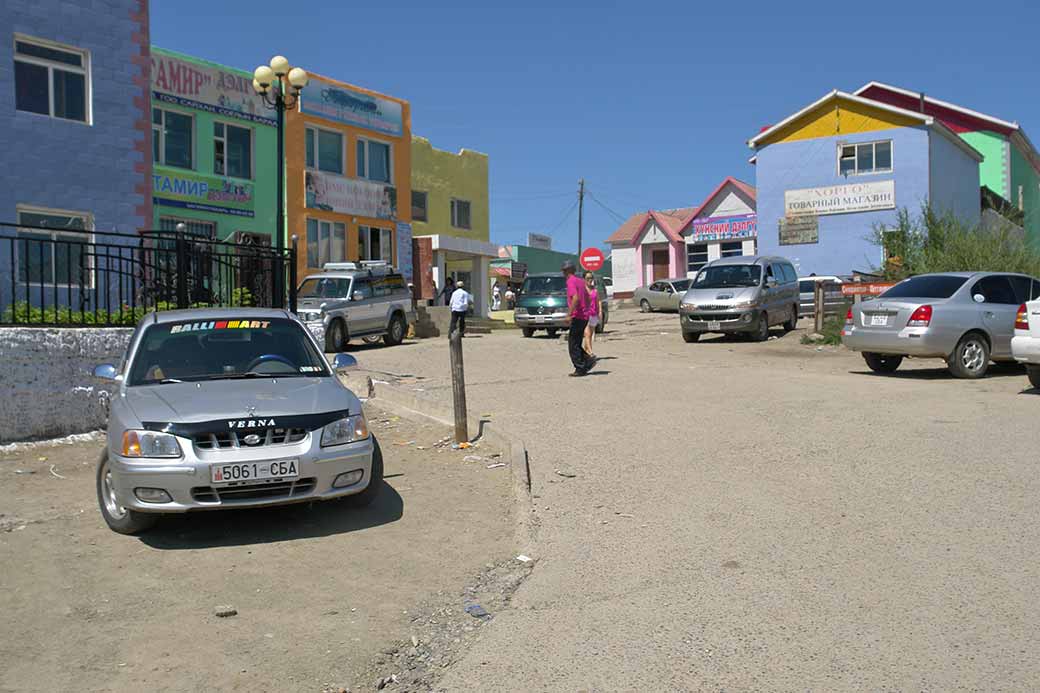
644	306
396	331
375	481
882	363
119	519
551	332
691	337
970	359
792	322
761	333
335	337
1033	373
527	331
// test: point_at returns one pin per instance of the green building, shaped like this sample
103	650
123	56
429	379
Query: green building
214	151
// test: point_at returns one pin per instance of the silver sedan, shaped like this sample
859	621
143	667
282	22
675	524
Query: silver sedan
663	294
965	318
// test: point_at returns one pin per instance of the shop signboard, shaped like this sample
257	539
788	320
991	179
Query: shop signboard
350	195
800	229
202	193
538	240
404	250
518	271
352	107
724	228
839	199
207	88
866	289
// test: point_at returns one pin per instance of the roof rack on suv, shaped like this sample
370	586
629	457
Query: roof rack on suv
372	266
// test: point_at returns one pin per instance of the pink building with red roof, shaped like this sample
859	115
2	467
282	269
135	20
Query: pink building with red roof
673	243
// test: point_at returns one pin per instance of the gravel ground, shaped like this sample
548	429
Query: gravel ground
755	516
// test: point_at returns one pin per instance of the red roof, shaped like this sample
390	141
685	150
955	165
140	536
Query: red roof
957	118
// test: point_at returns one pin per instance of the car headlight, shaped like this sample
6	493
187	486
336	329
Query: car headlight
346	430
744	305
150	444
688	306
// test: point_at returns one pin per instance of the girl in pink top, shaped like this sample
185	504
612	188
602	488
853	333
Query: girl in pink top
591	312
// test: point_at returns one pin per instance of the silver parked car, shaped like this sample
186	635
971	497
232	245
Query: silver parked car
664	294
745	294
229	408
348	299
966	318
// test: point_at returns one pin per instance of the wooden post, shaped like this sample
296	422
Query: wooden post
818	305
458	387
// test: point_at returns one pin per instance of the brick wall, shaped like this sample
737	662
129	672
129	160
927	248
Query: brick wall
422	269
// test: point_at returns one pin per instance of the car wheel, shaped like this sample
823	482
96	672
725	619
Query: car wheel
882	363
335	337
375	481
552	332
971	357
1033	372
644	306
691	337
118	518
395	333
528	331
761	333
792	322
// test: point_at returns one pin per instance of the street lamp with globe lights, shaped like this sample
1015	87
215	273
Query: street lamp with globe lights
279	85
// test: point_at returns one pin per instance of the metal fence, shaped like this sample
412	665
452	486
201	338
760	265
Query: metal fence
78	277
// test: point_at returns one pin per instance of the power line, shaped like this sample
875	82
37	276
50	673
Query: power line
621	219
566	216
520	198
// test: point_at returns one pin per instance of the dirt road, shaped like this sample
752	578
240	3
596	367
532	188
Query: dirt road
325	594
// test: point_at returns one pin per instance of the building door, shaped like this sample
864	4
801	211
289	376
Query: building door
659	259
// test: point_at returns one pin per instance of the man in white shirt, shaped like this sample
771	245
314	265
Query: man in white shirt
460	301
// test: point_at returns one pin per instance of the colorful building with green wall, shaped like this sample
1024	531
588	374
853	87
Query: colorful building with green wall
1011	167
214	148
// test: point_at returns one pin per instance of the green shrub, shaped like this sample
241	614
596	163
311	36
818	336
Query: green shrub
832	327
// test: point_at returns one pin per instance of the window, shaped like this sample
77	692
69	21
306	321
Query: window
656	286
172	138
326	242
204	229
696	256
1026	289
996	289
363	287
59	257
324	287
373	160
49	80
419	206
732	248
324	150
460	214
374	243
232	151
869	157
926	286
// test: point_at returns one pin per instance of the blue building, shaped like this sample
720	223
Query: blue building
75	132
831	173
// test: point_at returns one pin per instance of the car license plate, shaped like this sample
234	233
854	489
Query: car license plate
878	320
714	325
254	471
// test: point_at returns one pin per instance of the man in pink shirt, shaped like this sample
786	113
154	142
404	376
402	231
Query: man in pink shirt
577	308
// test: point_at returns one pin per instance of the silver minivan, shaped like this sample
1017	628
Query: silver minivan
747	294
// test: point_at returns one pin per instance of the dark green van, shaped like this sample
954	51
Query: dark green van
542	304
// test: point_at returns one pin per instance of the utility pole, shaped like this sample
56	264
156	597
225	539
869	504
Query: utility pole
581	206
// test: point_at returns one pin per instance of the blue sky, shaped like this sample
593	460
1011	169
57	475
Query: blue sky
652	102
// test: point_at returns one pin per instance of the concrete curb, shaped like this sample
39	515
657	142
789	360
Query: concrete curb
514	451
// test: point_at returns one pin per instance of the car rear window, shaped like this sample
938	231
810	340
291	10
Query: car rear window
807	287
926	286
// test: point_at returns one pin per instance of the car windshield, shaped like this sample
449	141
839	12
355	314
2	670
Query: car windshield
926	286
556	284
324	287
682	285
224	349
720	276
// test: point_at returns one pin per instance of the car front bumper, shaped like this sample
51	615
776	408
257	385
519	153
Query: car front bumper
557	320
921	342
732	321
1026	349
188	480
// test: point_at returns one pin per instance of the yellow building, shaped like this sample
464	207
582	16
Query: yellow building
348	174
450	220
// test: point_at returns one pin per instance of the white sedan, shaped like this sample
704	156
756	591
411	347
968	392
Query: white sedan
1025	345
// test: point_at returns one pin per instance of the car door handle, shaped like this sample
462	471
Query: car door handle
990	315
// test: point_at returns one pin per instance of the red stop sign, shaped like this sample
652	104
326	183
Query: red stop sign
592	259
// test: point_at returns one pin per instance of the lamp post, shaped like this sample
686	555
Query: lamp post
274	83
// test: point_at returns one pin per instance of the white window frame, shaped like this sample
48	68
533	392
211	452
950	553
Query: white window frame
344	143
162	136
324	253
88	219
689	251
224	139
738	242
389	162
365	242
50	65
875	170
454	220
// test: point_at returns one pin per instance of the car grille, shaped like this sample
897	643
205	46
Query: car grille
230	440
714	306
712	317
274	490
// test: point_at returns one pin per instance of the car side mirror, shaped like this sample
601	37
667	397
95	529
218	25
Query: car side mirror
106	371
357	296
770	281
978	298
343	362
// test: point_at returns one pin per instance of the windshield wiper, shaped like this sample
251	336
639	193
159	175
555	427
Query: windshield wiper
250	374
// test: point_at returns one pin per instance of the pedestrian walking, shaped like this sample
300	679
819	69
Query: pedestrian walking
592	313
496	297
460	302
577	309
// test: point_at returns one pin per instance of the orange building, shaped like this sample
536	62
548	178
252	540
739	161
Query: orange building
348	175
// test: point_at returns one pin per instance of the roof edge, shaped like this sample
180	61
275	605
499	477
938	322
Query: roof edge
938	102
